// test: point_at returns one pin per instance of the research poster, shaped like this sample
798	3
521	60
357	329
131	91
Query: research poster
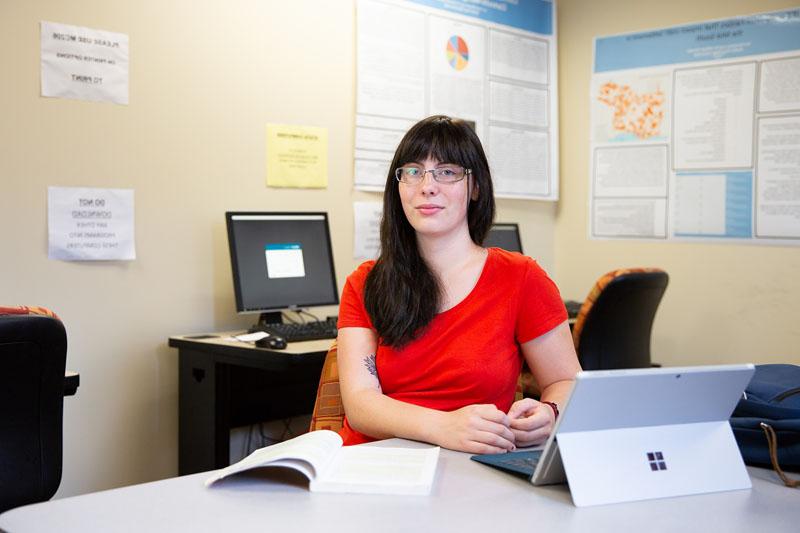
492	64
695	132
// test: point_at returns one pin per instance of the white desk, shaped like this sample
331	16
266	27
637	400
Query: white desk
466	496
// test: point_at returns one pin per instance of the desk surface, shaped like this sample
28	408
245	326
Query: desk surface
225	340
226	349
466	496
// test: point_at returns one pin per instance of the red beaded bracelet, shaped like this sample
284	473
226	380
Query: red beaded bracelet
554	406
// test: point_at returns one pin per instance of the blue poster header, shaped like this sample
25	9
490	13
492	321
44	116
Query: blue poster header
529	15
766	33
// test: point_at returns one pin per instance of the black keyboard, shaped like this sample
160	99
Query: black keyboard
520	462
310	331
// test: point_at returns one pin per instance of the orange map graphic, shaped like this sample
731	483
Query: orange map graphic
639	114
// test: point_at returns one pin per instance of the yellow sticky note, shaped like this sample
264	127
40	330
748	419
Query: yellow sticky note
297	156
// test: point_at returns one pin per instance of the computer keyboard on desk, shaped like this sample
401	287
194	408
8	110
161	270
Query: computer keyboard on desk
573	308
310	331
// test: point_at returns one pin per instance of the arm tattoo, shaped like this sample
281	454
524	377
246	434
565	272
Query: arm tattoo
371	364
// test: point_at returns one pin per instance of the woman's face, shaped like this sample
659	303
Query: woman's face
433	208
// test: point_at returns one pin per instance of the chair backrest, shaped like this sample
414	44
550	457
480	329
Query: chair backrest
328	407
614	324
33	351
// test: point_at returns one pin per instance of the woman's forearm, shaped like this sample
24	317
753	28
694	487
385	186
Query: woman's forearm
557	392
472	428
372	413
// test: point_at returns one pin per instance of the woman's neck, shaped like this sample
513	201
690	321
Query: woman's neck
446	253
456	261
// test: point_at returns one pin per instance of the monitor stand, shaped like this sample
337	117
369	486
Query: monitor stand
272	317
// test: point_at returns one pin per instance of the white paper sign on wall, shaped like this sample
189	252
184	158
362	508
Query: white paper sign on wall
84	64
90	224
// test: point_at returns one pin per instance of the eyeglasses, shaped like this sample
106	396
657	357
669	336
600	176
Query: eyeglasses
444	174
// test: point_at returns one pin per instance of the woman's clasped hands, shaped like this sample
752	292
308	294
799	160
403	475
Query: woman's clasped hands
531	422
485	429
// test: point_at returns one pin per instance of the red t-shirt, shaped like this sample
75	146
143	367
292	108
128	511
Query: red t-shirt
470	353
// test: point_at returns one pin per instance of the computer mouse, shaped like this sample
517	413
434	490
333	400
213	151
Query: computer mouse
273	342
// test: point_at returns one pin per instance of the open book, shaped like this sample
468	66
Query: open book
331	467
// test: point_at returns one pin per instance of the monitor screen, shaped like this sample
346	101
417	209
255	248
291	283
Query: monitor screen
281	261
505	236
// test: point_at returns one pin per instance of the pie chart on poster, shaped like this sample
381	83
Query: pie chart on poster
457	52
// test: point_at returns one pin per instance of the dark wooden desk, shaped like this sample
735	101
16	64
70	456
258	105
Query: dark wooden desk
224	383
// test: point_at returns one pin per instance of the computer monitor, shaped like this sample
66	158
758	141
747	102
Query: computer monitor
505	236
280	261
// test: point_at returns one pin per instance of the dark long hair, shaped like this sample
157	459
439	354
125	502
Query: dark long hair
402	294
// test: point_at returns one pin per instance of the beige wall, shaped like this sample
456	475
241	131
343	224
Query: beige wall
725	303
205	78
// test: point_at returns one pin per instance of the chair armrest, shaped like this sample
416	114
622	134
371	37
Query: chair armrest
72	381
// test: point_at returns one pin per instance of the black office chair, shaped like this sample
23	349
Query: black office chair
33	352
614	324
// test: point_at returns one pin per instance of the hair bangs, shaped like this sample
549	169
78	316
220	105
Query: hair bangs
442	140
448	145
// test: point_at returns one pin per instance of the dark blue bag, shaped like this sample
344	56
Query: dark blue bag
766	421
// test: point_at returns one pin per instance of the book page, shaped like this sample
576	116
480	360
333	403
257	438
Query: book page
308	453
376	470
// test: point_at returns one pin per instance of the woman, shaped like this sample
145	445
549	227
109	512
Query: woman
430	334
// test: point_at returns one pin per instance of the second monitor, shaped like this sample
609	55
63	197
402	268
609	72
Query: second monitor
505	236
